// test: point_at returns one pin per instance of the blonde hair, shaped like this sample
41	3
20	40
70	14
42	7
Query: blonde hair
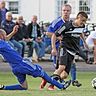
65	5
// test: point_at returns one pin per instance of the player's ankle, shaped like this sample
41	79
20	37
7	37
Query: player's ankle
76	83
1	87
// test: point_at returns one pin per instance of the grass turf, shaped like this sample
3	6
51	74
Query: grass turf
85	90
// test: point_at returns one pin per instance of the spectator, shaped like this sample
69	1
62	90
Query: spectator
35	35
91	41
21	35
8	25
46	39
3	11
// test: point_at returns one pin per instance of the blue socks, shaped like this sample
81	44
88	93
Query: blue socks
73	72
14	87
52	81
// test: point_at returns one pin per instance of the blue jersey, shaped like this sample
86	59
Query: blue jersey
12	56
20	67
54	26
9	53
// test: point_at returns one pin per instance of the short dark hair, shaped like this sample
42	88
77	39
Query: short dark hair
82	13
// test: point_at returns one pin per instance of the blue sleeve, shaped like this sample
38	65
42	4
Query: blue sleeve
2	44
51	28
55	25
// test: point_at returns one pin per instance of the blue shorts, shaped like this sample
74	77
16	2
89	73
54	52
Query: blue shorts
27	68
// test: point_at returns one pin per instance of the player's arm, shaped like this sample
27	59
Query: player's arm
49	34
83	38
53	41
15	29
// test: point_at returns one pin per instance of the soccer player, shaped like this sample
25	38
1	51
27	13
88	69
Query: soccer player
91	41
55	25
69	33
22	67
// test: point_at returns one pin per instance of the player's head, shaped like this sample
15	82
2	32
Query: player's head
81	18
66	11
2	34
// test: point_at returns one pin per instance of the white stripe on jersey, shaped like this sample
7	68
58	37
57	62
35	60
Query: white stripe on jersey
72	53
76	30
60	30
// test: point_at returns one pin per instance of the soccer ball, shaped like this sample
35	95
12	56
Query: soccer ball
93	82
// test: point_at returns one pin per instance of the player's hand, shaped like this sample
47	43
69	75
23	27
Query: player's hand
54	52
60	38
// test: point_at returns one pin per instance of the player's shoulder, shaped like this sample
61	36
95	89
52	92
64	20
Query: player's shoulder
57	21
2	43
68	24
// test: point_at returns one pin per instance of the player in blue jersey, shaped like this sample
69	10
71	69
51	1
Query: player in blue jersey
55	25
22	67
70	44
70	33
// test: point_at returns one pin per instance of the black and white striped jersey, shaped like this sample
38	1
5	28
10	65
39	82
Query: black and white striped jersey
71	36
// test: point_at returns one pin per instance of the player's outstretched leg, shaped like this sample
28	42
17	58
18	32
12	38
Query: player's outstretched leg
21	86
43	83
54	82
12	87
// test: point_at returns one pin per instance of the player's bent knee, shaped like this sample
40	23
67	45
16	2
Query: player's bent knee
64	75
25	88
24	85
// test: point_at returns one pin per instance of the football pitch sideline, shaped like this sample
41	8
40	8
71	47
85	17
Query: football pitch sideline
84	77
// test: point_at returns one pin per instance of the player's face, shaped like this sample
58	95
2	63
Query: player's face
66	11
81	21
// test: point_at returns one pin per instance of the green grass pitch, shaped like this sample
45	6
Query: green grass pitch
84	77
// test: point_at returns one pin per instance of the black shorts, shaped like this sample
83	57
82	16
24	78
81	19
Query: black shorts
65	59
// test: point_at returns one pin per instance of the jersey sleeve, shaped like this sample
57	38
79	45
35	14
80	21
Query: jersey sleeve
2	44
64	28
60	30
55	25
52	27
